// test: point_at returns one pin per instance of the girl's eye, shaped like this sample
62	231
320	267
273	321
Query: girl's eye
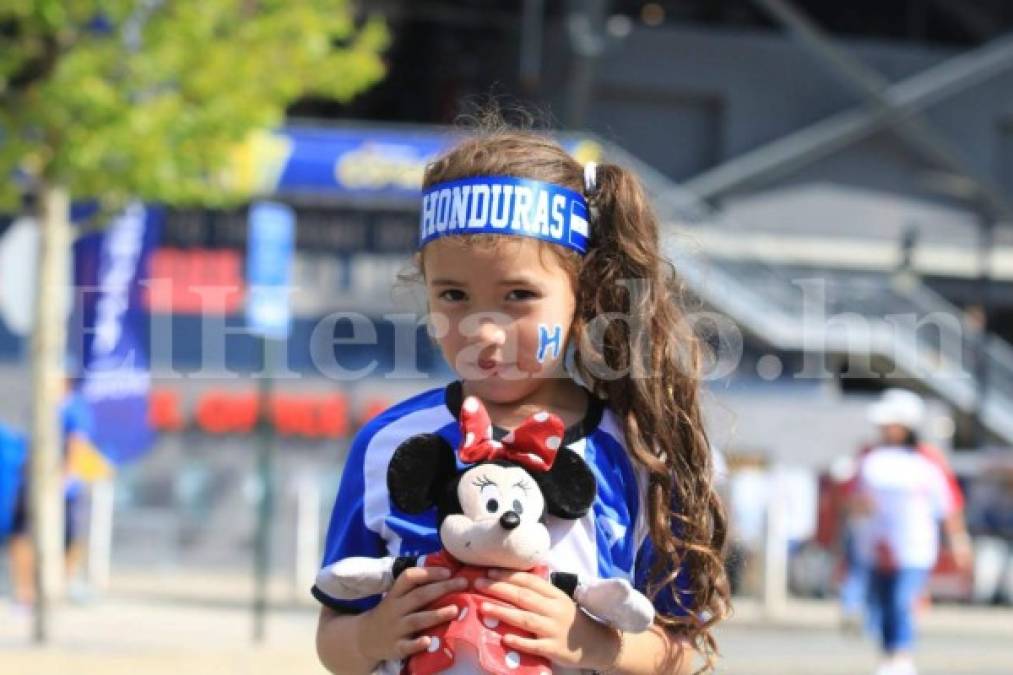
518	507
452	295
492	506
521	294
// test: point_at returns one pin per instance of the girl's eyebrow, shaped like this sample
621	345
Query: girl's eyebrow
519	281
447	282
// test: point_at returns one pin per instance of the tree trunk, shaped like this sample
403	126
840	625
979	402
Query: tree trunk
49	347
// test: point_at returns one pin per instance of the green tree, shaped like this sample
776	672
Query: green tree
118	99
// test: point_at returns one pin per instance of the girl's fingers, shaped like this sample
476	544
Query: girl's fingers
519	596
406	648
529	621
417	576
533	646
419	621
527	580
421	596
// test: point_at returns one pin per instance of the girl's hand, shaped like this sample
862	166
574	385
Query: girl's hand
563	633
387	631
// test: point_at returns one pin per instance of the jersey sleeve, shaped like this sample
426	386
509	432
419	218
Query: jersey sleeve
347	534
671	601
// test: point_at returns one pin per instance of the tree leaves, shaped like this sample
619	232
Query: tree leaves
151	98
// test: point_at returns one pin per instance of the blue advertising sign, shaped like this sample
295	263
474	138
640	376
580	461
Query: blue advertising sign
109	332
270	247
359	162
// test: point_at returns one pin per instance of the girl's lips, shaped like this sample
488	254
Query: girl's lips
494	367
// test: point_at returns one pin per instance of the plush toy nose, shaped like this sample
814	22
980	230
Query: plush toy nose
509	520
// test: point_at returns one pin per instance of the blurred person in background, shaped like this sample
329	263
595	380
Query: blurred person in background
854	588
82	463
13	453
902	492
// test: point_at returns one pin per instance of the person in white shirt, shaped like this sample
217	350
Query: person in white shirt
901	497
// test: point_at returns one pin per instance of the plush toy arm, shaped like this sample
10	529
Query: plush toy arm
615	602
359	577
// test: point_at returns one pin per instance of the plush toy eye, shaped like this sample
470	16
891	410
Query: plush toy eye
492	496
520	493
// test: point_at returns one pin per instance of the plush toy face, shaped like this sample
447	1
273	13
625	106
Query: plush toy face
492	513
501	522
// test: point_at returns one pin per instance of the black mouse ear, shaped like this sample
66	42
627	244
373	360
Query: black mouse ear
418	470
569	487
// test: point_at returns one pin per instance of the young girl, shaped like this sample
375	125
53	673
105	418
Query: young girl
547	291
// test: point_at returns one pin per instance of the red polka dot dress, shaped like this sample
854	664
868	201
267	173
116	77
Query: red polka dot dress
482	635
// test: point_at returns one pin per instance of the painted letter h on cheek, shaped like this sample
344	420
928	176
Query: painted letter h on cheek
546	340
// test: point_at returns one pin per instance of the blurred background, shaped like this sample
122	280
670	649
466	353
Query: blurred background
836	185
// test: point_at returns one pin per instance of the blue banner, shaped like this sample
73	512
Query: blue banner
270	247
110	328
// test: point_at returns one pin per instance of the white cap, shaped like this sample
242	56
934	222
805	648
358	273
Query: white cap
898	406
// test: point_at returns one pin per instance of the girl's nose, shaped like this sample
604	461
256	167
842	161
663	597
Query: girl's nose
492	333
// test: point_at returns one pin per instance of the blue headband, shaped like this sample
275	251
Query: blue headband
505	205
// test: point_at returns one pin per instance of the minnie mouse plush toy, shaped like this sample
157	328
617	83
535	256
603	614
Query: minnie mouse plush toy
490	514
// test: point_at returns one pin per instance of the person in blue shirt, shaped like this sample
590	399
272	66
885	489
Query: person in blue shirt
13	454
76	425
547	291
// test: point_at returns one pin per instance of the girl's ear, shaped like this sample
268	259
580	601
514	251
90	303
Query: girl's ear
569	487
417	472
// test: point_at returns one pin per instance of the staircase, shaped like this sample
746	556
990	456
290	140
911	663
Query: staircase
893	320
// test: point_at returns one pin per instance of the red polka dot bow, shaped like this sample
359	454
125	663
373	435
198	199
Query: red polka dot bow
533	444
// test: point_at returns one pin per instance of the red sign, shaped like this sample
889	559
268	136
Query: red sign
164	410
310	416
195	281
294	415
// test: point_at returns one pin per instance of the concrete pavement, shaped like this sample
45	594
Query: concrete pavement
200	624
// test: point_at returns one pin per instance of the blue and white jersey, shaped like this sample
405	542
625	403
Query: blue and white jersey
610	541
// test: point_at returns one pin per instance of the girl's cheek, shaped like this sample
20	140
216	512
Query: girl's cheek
444	334
451	347
542	348
437	321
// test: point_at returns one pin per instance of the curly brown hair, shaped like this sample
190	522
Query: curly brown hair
657	354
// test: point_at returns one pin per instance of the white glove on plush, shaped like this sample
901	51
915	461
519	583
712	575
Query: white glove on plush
617	603
354	578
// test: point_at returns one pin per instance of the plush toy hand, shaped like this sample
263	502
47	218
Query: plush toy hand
563	633
617	603
354	578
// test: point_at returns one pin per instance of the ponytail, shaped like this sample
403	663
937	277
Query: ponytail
657	400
